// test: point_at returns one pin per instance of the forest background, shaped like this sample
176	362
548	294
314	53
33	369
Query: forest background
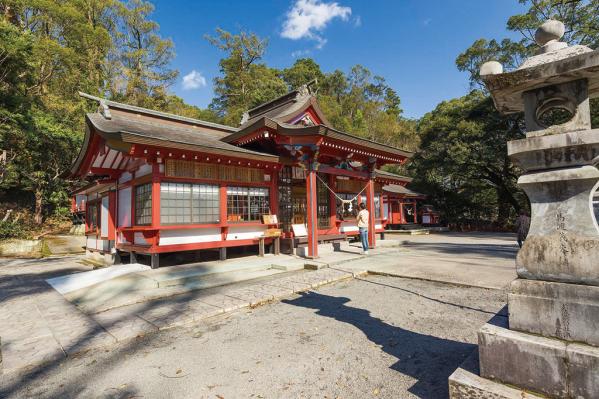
50	50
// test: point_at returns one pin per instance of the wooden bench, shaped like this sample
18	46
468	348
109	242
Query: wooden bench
276	245
334	239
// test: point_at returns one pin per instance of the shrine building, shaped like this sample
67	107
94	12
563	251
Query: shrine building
159	183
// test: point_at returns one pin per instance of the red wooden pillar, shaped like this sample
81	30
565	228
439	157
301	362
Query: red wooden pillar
311	208
274	192
415	213
112	215
222	212
401	215
370	207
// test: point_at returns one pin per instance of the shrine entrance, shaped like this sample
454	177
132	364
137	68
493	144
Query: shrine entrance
293	201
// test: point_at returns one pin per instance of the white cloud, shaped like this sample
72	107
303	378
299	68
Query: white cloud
300	53
193	80
358	21
308	18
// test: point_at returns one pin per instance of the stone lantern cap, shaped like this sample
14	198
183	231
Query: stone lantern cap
555	63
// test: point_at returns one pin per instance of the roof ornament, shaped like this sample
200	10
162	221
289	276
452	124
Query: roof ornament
104	110
245	117
548	34
307	89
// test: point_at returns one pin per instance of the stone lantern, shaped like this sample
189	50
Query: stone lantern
549	343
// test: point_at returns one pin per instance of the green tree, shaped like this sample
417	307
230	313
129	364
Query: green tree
245	82
139	62
48	47
463	162
301	72
50	50
365	105
166	102
581	18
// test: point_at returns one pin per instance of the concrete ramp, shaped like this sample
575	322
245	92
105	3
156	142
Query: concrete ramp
77	281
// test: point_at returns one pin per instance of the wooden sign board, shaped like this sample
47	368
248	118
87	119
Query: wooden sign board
299	230
270	219
272	233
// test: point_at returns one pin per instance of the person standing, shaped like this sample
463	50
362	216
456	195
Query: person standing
362	218
522	226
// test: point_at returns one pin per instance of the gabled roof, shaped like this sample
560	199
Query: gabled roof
391	176
284	108
323	130
133	131
398	189
281	114
106	105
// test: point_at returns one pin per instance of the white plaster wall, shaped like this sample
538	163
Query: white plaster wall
124	208
93	243
143	170
104	218
125	177
189	236
121	239
139	239
348	228
245	232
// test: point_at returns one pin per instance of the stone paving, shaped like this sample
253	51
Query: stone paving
38	325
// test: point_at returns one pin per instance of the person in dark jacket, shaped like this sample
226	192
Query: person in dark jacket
522	226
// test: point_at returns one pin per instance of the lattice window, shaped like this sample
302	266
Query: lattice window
345	211
285	199
247	203
143	204
323	203
352	185
183	203
377	206
198	170
92	216
241	174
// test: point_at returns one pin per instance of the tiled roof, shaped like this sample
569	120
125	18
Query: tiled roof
131	130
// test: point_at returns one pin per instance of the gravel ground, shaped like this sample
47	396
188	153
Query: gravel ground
379	337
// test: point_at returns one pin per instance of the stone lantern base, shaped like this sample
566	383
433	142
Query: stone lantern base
541	353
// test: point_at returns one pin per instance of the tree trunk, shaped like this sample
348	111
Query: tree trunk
39	202
505	203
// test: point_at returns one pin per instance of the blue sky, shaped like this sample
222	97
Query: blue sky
412	43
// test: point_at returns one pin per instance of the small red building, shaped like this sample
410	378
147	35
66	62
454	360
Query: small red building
404	207
160	183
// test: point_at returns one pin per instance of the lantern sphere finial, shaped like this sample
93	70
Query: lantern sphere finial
491	68
550	30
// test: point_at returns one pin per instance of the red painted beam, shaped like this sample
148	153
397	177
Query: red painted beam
189	247
370	207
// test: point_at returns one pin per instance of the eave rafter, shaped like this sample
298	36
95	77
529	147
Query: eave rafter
160	154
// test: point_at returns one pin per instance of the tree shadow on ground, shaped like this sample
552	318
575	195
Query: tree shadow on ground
428	359
504	251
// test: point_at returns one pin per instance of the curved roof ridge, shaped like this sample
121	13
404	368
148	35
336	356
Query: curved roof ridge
160	114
